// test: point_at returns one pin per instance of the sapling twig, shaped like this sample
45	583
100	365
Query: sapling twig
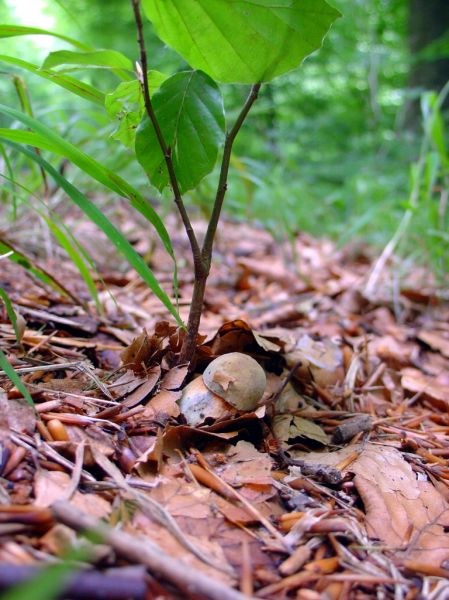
166	150
199	286
201	256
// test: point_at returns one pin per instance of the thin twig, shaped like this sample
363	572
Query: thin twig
223	180
199	287
145	552
166	150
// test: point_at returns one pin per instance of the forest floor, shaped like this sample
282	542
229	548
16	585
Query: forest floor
335	486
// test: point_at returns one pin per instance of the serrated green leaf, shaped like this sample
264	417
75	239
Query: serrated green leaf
189	109
109	59
7	31
71	84
243	41
126	106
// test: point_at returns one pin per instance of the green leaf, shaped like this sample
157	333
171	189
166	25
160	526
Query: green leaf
17	30
9	370
126	105
243	41
110	59
47	139
189	109
97	217
11	313
69	83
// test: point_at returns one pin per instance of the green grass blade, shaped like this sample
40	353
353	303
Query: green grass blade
73	248
108	178
75	257
71	84
45	585
9	370
39	272
29	138
7	31
97	217
11	313
9	168
120	64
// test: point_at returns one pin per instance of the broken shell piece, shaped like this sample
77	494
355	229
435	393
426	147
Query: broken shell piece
237	378
197	404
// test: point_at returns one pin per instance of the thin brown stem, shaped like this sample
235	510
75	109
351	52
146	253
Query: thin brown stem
206	251
201	256
193	323
199	288
166	150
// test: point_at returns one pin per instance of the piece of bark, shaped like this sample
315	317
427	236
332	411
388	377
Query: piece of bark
145	552
351	427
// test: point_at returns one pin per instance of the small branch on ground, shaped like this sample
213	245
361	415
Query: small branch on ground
145	552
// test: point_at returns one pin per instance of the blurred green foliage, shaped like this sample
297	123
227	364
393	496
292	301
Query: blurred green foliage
325	149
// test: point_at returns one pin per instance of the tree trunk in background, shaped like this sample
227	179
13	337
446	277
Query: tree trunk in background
428	20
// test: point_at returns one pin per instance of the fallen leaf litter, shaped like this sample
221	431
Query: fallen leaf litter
333	483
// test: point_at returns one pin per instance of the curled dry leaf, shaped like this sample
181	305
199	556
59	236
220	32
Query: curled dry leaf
145	389
395	353
437	393
92	436
291	428
250	470
16	414
435	340
50	486
174	378
162	406
322	358
401	510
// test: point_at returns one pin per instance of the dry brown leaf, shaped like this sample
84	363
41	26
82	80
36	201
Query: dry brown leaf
184	436
437	341
91	436
162	406
140	393
289	428
247	466
402	510
125	384
50	486
174	378
323	354
199	532
16	414
415	381
396	353
322	358
143	350
151	459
